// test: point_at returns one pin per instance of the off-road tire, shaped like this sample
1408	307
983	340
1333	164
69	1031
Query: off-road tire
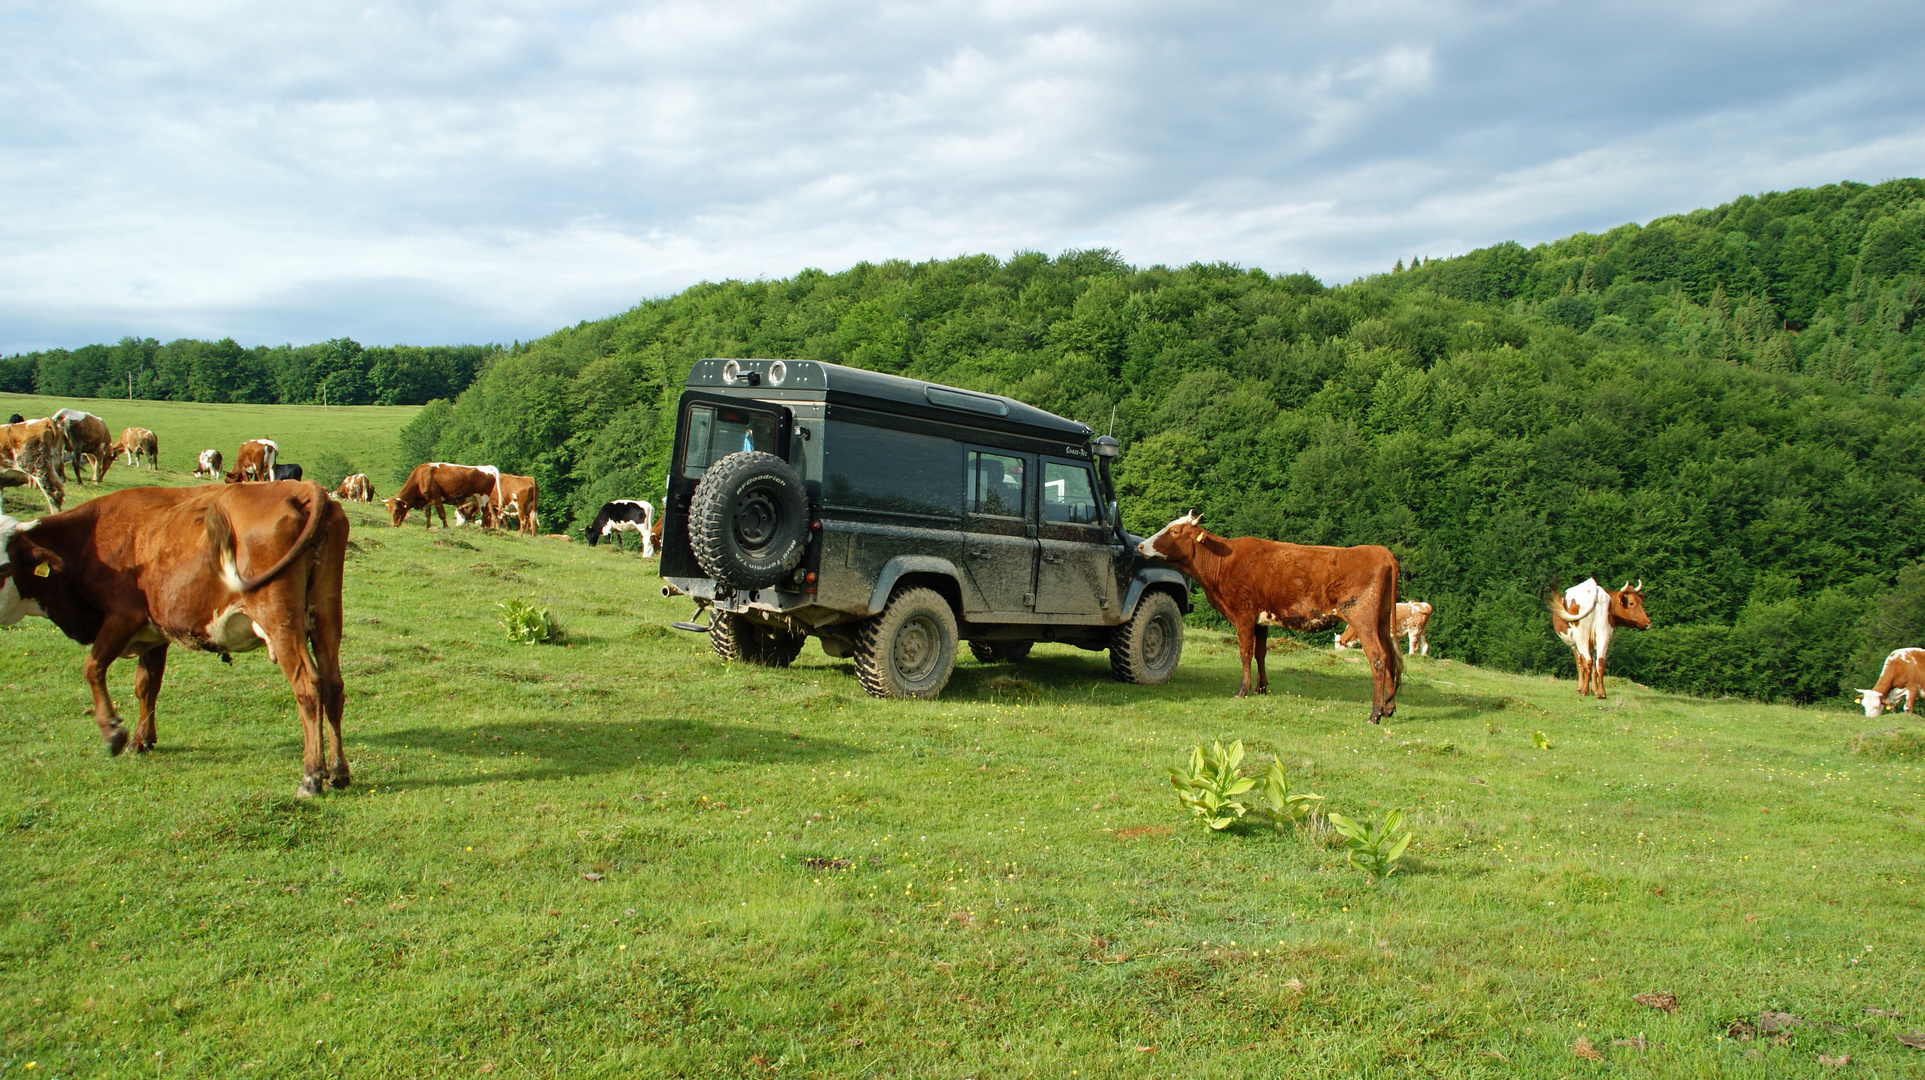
992	652
1146	649
739	638
908	651
748	521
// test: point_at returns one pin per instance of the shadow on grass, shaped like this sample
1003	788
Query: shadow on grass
531	750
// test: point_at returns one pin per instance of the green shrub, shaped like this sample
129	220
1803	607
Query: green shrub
1374	851
1213	787
528	624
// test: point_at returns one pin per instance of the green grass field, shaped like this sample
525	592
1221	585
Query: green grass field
621	857
362	434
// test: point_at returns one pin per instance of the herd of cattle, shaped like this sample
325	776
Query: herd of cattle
258	561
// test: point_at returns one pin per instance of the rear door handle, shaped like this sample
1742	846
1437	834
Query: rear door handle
1052	558
979	554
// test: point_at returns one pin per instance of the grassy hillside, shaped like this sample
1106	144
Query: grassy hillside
362	436
621	857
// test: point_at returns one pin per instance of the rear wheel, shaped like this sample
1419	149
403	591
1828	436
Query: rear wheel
909	650
736	637
992	652
1146	649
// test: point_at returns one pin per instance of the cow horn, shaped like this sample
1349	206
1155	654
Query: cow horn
1640	587
1626	585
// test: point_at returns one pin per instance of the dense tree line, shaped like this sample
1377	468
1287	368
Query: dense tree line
1725	404
336	372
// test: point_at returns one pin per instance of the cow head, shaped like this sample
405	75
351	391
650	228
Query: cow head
1177	536
18	552
1627	607
1875	703
397	511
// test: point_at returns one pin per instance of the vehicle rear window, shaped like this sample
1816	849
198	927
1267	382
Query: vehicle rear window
1068	494
716	432
897	471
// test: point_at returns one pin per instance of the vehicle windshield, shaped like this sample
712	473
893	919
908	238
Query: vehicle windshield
716	432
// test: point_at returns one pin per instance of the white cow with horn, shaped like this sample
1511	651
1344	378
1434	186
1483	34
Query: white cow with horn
1586	616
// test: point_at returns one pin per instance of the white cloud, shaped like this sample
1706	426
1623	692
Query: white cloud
433	170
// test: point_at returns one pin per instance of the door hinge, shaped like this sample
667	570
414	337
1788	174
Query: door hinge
1029	599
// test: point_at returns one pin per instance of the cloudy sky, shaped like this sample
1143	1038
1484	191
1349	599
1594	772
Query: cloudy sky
427	171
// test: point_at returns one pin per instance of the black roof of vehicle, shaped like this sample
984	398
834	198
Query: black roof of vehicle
816	380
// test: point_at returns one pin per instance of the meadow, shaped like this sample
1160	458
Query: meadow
362	435
619	856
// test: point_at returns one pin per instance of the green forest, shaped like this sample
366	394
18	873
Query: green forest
336	372
1728	404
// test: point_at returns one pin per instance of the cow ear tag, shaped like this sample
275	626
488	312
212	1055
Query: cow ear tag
42	570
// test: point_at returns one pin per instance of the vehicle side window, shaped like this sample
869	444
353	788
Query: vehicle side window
882	469
1068	495
714	434
995	484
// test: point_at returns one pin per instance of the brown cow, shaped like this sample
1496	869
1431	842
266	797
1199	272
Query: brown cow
138	443
1411	622
32	448
255	461
355	488
215	569
516	496
437	482
1586	616
1902	676
1258	584
84	435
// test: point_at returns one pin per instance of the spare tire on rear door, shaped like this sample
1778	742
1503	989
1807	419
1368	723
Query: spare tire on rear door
749	520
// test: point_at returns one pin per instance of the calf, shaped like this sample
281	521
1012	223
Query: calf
85	436
1411	622
215	569
1902	676
140	445
429	487
1586	617
625	515
289	471
208	464
1258	584
255	461
355	488
516	496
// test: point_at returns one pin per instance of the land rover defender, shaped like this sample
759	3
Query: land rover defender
893	519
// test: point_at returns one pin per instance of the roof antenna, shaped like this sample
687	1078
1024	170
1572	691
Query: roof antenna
1112	430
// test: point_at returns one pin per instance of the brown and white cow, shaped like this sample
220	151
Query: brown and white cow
255	461
85	436
1411	621
516	496
1258	584
1586	617
432	485
32	449
140	445
208	464
1903	676
214	569
355	488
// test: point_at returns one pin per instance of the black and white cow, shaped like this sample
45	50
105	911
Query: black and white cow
625	515
289	471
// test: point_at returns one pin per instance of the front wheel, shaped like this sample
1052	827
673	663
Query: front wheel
736	637
909	650
1146	649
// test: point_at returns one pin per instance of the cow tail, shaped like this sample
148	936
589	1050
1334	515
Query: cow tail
1387	623
220	534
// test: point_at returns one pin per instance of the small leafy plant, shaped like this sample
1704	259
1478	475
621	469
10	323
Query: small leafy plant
1283	804
528	624
1373	850
1212	785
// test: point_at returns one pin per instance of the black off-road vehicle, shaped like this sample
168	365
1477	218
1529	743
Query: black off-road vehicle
893	519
